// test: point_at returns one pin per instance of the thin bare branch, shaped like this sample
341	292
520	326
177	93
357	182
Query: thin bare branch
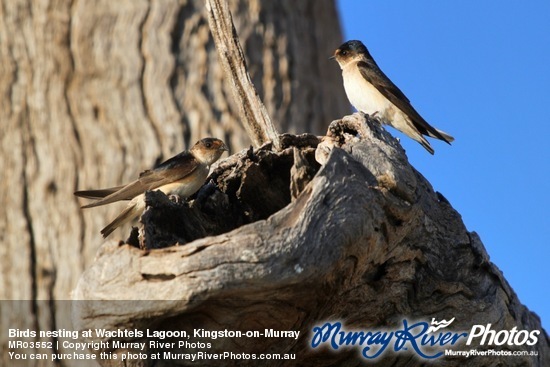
255	118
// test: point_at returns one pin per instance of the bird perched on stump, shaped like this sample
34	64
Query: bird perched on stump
370	91
181	175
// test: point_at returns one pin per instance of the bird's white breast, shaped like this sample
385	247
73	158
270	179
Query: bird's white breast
364	96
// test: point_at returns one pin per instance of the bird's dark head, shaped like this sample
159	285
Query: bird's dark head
350	51
208	150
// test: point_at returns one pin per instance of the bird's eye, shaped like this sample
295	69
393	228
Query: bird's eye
208	144
343	53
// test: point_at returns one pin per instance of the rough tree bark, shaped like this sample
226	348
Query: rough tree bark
94	92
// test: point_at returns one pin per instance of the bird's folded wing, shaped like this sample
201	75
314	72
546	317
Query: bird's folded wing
97	194
384	85
127	192
174	169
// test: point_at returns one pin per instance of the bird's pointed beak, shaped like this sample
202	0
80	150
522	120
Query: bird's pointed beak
224	148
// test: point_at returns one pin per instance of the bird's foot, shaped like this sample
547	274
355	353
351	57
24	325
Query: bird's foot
371	117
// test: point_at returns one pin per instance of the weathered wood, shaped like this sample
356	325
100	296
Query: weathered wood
367	241
256	121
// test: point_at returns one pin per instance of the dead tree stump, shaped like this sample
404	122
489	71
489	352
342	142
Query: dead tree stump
366	241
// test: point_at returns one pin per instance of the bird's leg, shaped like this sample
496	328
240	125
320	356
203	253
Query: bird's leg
370	117
374	117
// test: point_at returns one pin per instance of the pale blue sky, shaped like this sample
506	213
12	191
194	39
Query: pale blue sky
479	71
